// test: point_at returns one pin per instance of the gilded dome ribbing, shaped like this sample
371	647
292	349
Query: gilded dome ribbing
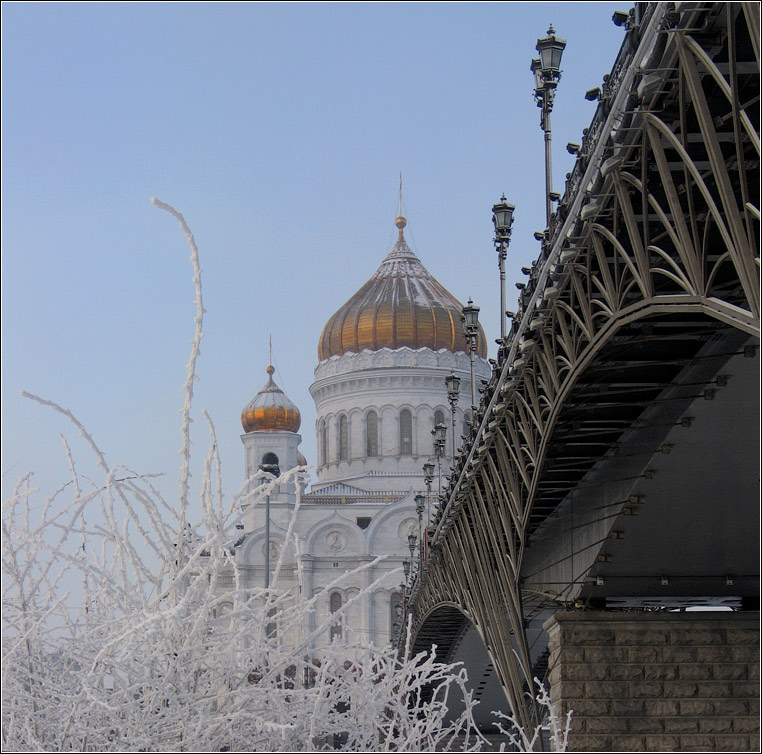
401	305
270	410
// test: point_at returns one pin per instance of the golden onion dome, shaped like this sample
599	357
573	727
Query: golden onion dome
270	410
401	305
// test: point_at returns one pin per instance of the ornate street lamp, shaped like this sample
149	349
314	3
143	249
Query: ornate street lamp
411	542
419	503
551	48
453	390
419	500
410	570
470	321
428	474
428	477
502	219
274	471
440	438
547	73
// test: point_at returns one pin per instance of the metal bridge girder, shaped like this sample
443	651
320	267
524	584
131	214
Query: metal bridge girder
661	264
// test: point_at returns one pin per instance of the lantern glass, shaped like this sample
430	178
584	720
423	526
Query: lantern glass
419	501
440	433
411	541
536	69
453	385
550	48
545	50
557	52
502	216
428	470
471	315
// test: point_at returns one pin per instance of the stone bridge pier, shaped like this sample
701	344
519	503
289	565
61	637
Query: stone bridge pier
657	681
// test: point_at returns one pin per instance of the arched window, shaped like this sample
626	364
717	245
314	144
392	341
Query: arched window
323	442
343	439
371	434
271	460
335	607
406	433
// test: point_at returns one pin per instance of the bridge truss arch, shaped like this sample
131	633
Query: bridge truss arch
642	308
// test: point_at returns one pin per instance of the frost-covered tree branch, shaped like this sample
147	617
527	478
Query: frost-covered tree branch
128	625
553	729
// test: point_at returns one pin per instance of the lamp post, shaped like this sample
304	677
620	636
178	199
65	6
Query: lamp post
419	501
470	321
268	468
440	438
547	73
411	542
453	390
428	477
502	219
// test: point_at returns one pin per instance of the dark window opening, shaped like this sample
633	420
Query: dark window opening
343	439
371	434
406	433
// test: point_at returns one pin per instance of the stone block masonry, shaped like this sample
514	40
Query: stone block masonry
657	681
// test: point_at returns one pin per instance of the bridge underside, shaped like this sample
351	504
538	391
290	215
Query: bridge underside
648	477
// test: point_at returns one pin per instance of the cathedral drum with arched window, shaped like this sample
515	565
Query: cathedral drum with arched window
379	385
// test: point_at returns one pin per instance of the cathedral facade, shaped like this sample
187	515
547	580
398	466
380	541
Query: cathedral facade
379	391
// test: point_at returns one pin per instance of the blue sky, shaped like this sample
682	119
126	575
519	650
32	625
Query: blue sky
279	131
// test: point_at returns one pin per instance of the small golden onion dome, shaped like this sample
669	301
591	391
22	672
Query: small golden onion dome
401	305
270	410
300	459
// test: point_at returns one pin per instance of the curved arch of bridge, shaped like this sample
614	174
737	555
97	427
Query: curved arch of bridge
457	639
599	529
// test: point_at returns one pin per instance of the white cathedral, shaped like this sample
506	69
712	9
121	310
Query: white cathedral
379	390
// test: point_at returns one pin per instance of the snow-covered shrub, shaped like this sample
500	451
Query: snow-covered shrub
161	658
552	732
127	626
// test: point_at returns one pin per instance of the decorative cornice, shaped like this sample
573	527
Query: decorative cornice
386	358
